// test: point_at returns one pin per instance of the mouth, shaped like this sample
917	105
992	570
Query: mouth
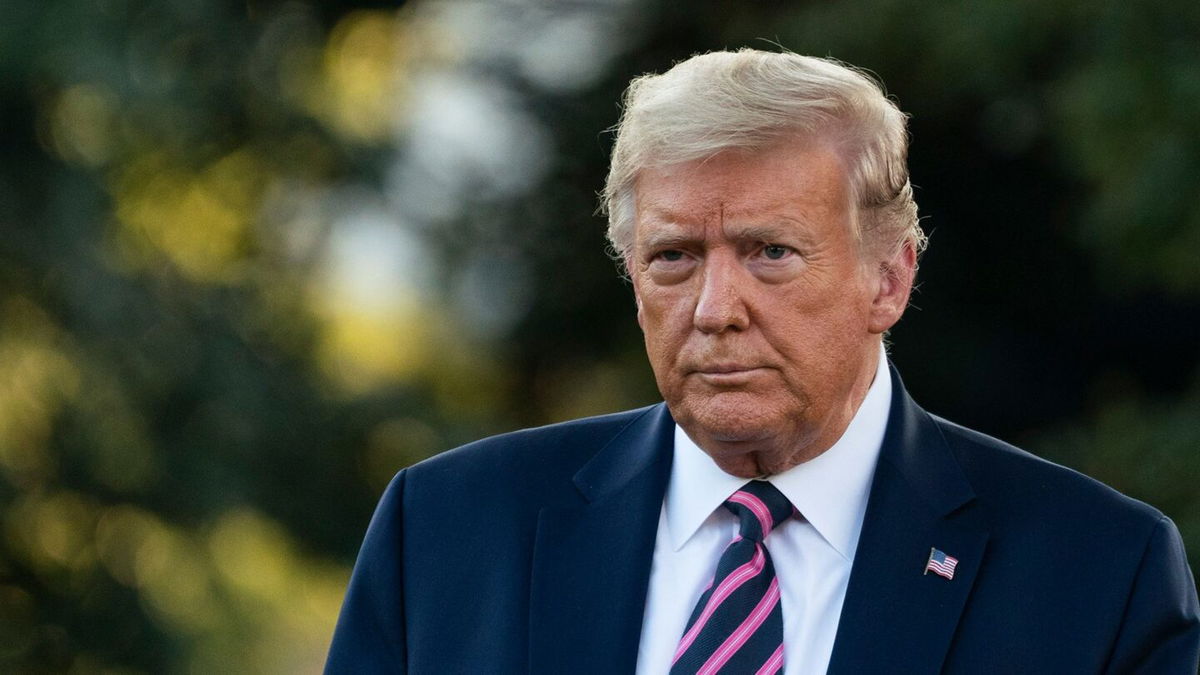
725	369
728	373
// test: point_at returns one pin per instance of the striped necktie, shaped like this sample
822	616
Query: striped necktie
737	626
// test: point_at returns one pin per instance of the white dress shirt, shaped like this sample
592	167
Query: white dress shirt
812	554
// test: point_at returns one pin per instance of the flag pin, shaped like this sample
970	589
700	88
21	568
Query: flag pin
941	564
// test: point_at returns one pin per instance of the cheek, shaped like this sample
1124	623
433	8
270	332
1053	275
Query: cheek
666	322
659	308
814	332
659	330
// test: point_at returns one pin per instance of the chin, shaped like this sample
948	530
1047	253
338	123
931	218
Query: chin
733	418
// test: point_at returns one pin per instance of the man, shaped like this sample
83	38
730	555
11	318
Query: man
761	206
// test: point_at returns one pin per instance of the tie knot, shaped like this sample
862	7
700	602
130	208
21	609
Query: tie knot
760	507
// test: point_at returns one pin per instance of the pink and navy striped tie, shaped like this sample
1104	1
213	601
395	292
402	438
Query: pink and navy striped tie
737	626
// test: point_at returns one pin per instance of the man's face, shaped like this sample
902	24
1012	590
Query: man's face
762	317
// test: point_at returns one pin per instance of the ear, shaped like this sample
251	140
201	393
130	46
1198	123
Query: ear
895	280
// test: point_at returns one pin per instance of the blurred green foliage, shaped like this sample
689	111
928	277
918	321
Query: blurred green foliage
256	257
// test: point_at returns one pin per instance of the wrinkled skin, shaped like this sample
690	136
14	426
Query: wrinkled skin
762	313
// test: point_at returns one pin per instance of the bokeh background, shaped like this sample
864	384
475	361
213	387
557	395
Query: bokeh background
256	256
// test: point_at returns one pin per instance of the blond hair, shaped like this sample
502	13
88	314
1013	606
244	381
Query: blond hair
749	99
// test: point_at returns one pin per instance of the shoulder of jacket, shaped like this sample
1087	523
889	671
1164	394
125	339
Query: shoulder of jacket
1003	471
563	443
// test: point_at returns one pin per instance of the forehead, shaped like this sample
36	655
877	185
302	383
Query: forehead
792	184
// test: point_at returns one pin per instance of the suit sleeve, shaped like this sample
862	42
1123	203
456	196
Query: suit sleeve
369	637
1160	632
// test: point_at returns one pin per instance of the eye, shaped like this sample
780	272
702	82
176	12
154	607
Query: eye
775	252
669	266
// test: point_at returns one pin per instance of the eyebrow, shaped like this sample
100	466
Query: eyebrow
672	232
668	239
770	232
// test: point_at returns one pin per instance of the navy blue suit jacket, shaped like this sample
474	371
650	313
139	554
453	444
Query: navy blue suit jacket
530	553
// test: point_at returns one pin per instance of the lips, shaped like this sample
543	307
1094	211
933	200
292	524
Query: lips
725	368
727	375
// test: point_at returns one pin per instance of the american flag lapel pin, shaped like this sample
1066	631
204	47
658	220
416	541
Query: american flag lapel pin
941	564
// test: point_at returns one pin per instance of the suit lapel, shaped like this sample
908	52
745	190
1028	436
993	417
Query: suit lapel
895	617
591	562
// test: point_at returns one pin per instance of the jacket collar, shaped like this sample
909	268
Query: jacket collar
920	500
591	560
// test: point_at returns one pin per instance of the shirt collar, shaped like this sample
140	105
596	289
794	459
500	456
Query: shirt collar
830	490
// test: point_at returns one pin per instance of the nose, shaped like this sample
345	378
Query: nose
720	306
